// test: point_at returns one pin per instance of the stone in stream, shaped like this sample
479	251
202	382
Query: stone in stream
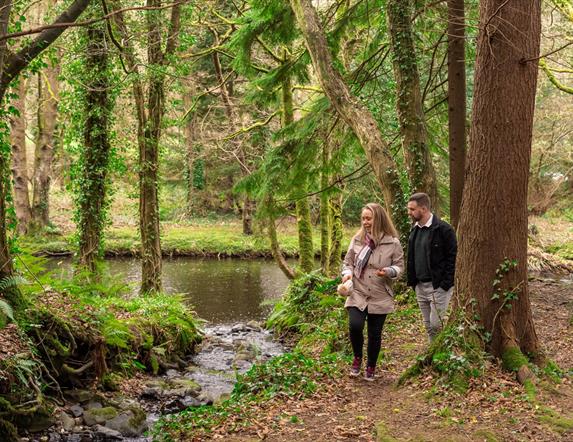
67	421
99	415
104	433
77	410
81	396
54	437
131	423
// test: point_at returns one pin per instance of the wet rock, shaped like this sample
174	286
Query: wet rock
254	325
67	421
99	415
107	434
238	328
74	438
81	396
151	393
54	437
172	373
130	423
77	410
94	404
180	404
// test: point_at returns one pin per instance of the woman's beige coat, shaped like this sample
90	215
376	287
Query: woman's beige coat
371	290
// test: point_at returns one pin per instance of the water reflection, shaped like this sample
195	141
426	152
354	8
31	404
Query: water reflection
221	291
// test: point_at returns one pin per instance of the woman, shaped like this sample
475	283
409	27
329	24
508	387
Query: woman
374	258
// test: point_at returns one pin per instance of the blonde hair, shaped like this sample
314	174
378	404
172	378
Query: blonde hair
381	223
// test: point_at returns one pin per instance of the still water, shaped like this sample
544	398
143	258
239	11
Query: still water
220	291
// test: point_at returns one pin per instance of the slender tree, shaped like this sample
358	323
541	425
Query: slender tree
492	260
20	177
456	105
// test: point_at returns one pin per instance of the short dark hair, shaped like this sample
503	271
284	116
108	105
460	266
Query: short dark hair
422	199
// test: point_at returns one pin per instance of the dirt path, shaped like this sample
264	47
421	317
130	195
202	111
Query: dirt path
495	408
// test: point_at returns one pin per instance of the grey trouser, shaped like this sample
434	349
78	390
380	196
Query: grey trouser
433	304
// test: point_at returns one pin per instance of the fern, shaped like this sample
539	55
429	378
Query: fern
6	309
9	282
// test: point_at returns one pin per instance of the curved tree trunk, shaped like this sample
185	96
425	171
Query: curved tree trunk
19	160
275	247
492	259
456	105
353	113
413	127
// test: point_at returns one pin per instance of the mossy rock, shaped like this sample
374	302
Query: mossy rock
95	416
111	381
8	432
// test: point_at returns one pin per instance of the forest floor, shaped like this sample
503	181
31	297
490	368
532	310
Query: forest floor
495	407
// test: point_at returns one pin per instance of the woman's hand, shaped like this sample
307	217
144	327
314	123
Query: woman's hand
381	273
346	278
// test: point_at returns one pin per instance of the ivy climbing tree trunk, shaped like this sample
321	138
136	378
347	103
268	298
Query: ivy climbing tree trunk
456	105
492	259
92	196
20	178
413	127
355	114
48	91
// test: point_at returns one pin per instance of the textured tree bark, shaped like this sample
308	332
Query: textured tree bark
493	221
19	160
149	117
302	205
456	105
189	131
337	232
409	103
48	91
353	113
97	147
325	227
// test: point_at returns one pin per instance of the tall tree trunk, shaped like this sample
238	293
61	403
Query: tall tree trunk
325	227
189	131
413	127
492	260
19	160
353	113
48	89
336	234
96	150
14	297
456	105
304	224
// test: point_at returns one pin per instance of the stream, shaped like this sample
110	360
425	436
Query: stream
233	296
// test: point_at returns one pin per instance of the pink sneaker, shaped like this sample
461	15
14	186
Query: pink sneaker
369	374
355	369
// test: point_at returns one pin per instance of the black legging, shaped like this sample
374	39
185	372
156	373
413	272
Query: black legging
356	321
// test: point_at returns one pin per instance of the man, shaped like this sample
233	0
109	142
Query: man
432	249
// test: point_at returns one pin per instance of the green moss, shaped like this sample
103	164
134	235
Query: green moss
8	432
382	434
530	390
111	381
485	435
138	418
513	359
105	413
557	421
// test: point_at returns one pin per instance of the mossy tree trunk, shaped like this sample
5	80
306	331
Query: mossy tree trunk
150	113
325	227
95	158
409	103
304	224
492	259
456	105
275	247
20	178
337	232
354	113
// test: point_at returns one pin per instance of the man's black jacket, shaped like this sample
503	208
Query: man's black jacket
442	249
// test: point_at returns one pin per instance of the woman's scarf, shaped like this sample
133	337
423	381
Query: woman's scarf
364	255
